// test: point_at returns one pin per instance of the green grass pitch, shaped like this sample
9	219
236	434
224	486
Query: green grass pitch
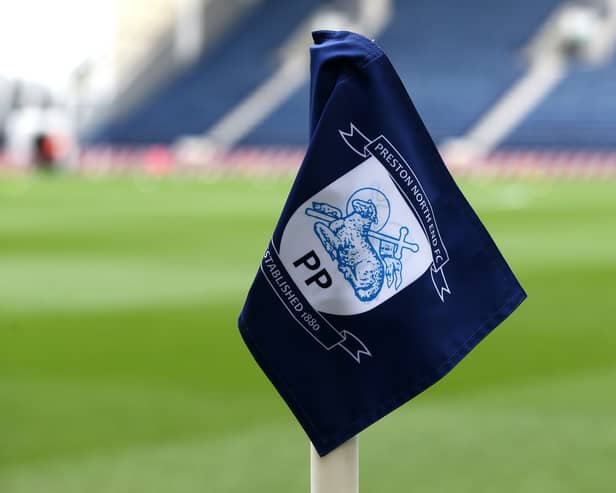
121	368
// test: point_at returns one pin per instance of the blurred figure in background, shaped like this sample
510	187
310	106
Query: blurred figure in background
37	130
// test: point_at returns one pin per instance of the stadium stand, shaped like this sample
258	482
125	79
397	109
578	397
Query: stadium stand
456	59
195	99
579	113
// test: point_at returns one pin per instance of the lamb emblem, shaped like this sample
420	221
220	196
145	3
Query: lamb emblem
365	256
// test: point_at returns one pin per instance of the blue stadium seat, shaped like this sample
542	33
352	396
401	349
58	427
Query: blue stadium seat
198	97
579	113
456	59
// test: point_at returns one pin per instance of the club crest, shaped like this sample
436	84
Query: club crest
355	244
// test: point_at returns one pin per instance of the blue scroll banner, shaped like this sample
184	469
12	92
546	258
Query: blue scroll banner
412	191
311	320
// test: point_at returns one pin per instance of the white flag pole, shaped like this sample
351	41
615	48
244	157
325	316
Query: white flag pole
338	471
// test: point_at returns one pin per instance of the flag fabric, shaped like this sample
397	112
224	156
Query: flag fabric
379	277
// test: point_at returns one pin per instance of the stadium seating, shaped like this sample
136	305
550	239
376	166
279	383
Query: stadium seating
198	97
456	58
579	113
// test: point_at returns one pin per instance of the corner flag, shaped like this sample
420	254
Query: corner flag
379	277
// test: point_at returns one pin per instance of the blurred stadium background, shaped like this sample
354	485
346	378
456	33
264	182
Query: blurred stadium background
146	148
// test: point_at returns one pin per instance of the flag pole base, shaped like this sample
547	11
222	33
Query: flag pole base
338	471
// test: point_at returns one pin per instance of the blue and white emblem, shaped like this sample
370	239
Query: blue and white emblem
355	244
365	257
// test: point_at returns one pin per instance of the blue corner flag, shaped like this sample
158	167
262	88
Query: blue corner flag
379	277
